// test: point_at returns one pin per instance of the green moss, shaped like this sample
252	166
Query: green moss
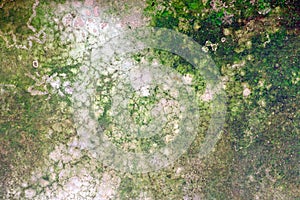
270	72
161	185
24	119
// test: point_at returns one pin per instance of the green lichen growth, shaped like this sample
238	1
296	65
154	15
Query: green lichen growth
256	149
257	154
25	120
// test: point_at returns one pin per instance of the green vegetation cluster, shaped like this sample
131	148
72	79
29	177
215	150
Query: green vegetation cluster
257	155
257	48
30	126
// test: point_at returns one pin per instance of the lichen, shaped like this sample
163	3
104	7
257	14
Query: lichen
45	48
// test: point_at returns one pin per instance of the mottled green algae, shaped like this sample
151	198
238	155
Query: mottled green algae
26	121
257	155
